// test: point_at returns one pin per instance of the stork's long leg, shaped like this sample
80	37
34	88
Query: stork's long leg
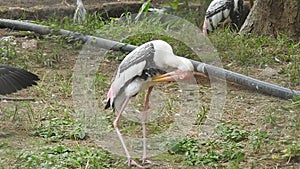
130	161
144	119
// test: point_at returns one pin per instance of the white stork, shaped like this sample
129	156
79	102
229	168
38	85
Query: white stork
219	10
149	63
80	12
13	79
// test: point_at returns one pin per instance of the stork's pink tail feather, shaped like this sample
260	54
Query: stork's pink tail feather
204	28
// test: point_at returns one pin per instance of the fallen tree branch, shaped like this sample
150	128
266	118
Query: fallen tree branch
251	83
16	99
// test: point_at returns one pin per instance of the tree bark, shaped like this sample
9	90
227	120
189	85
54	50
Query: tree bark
272	17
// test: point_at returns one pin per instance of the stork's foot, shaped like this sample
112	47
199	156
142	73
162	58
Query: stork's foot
146	162
132	163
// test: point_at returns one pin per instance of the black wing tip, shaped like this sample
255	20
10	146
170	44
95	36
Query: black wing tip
13	79
108	105
14	90
35	77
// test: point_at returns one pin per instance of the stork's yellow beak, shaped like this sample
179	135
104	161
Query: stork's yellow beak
163	78
173	76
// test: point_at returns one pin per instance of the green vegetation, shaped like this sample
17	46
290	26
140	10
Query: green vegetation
256	131
58	128
229	146
63	157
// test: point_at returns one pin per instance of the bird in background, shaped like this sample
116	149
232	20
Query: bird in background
80	12
148	64
13	79
219	11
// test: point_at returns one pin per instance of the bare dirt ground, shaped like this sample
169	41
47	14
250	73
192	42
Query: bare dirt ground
54	3
44	9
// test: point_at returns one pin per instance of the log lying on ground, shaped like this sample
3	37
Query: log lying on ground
251	83
41	11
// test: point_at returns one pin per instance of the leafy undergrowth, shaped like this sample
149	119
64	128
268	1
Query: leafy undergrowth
230	147
58	128
257	131
60	156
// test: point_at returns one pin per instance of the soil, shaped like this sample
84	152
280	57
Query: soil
55	3
44	9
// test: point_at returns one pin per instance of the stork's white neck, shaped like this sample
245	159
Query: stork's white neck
165	58
185	64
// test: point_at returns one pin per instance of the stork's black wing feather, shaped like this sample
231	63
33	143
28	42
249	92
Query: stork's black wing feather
13	79
218	6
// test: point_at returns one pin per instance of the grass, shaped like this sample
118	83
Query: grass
64	157
228	147
256	131
59	128
259	50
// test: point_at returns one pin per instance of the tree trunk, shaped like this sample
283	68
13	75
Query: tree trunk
271	17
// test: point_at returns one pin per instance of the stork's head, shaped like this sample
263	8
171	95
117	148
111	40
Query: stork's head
165	58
